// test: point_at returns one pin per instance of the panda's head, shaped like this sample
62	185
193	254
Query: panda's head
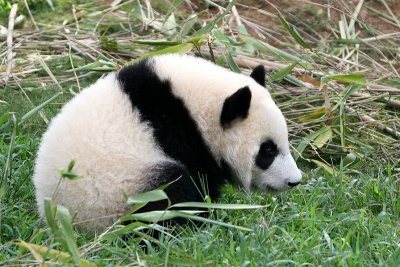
241	124
255	139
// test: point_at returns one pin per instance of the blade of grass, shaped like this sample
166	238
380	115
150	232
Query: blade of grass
68	233
7	167
38	108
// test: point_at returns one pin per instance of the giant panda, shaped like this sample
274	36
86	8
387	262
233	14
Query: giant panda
167	118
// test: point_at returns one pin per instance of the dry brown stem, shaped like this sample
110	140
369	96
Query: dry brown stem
11	21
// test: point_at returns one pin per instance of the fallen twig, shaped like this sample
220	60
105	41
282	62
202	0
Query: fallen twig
393	133
390	102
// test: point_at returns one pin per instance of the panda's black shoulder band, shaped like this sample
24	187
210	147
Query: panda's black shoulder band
174	129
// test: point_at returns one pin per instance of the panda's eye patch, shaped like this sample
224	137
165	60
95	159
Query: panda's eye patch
266	155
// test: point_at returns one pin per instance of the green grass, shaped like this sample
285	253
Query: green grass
326	221
346	212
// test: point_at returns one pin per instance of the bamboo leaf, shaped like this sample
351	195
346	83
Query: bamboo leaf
130	228
178	49
71	165
351	90
296	82
169	26
34	252
211	25
226	40
232	64
305	142
328	169
324	166
293	32
150	196
156	216
155	42
188	25
325	135
56	255
271	50
197	40
70	175
279	75
133	209
100	65
316	114
206	220
216	206
159	215
135	227
356	78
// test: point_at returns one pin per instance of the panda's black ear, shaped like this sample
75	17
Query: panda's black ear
258	74
236	106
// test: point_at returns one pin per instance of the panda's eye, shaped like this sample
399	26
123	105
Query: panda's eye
266	155
269	149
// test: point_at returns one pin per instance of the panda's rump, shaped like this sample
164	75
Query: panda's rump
112	148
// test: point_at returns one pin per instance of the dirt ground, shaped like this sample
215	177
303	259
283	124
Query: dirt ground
320	14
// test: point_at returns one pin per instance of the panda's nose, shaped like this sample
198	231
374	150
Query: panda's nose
293	184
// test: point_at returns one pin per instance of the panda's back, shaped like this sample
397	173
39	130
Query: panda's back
112	147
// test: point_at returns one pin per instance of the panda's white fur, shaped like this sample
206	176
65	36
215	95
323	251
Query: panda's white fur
117	153
104	135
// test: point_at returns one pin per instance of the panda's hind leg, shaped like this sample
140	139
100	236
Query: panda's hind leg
182	187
